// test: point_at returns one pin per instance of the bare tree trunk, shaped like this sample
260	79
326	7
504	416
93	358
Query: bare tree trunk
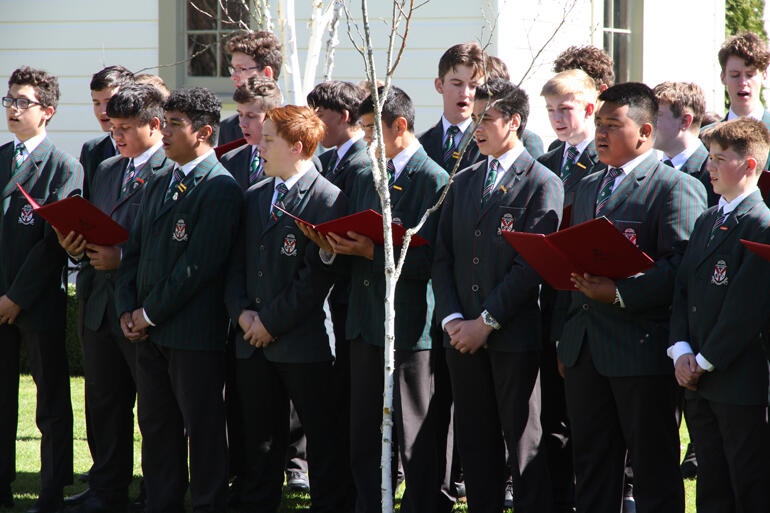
319	20
288	29
332	40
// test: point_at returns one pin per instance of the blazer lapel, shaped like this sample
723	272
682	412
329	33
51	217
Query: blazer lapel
694	164
30	169
157	161
188	184
730	223
509	181
293	198
629	185
352	152
403	182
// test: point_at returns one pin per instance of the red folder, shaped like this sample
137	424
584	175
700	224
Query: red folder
368	223
594	247
224	148
759	249
78	215
566	217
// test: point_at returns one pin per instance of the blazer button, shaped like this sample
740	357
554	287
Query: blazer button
585	306
477	233
475	288
259	273
366	283
475	260
261	247
259	300
108	276
694	309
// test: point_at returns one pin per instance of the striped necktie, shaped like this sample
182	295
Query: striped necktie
606	188
130	173
391	168
255	168
449	144
718	222
668	163
176	179
282	192
569	162
489	184
18	155
332	165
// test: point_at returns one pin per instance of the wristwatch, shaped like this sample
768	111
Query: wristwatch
489	320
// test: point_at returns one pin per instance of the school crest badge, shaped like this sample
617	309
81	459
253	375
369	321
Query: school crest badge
720	273
289	247
180	231
26	216
630	234
506	223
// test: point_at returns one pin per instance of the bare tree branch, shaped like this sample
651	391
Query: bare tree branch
565	14
332	40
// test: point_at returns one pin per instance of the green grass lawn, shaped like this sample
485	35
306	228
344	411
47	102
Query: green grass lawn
27	482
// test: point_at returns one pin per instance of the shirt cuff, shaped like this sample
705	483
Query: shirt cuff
147	318
704	364
326	258
678	349
76	258
622	303
450	317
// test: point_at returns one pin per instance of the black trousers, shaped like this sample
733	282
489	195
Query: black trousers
110	392
733	444
180	393
497	394
265	389
53	413
421	415
608	415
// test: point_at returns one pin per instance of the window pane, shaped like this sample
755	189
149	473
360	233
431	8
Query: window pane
622	14
204	64
233	13
609	7
622	57
224	59
197	20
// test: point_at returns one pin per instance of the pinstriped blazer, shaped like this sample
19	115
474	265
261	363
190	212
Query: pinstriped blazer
416	189
696	166
96	289
658	206
31	260
176	256
720	303
276	271
93	153
584	166
476	269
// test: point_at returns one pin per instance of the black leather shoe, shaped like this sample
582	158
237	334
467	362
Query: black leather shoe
95	505
6	499
48	503
297	481
78	498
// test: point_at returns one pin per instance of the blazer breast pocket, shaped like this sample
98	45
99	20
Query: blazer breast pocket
21	213
718	272
509	219
292	243
631	230
181	228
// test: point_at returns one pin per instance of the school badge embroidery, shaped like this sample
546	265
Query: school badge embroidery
180	231
630	234
26	216
506	224
720	273
289	247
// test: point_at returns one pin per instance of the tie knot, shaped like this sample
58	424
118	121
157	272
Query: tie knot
452	131
572	153
494	165
178	175
281	188
20	146
615	172
131	165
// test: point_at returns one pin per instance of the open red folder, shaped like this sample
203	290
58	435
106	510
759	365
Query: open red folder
368	223
594	247
224	148
759	249
78	215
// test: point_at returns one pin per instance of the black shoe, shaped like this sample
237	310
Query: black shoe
297	481
689	466
95	505
78	498
48	503
508	500
6	499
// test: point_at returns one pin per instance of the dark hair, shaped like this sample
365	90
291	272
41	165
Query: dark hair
264	89
262	46
141	101
338	96
507	99
596	63
200	105
463	54
111	77
397	105
641	100
45	85
747	46
745	136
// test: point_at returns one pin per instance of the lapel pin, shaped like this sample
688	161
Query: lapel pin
503	188
175	196
397	188
578	164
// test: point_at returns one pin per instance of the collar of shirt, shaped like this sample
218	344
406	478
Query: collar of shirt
292	181
343	148
191	165
629	166
400	160
462	126
30	144
679	159
506	161
729	206
580	148
758	113
144	157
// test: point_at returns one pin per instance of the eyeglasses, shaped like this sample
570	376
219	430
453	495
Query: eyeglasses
232	70
19	103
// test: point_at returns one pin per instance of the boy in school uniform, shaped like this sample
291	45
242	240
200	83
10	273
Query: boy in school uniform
276	287
255	97
169	299
32	298
719	313
619	388
421	404
570	99
681	106
253	54
488	308
135	114
104	84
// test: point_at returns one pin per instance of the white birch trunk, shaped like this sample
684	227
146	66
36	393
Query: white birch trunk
319	20
332	40
288	30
